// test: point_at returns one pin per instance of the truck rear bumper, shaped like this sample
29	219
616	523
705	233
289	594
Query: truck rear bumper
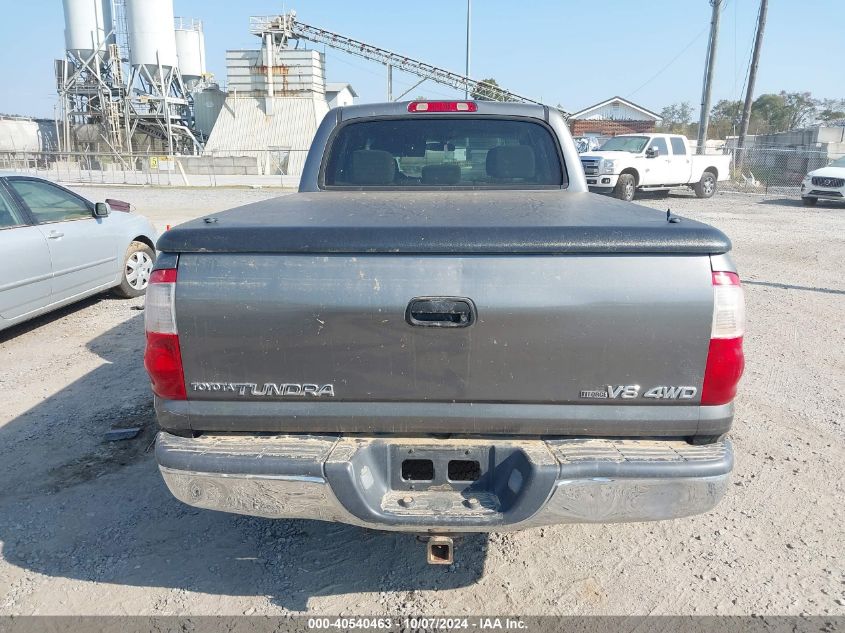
505	485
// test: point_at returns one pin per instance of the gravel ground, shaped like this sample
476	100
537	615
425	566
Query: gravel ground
88	527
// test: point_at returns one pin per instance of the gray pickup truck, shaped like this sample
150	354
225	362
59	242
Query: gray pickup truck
444	332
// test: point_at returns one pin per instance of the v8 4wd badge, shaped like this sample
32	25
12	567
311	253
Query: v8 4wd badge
629	392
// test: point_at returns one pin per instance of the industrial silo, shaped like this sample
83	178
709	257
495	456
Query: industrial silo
151	37
190	50
88	27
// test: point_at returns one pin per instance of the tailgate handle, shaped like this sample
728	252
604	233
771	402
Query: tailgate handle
440	312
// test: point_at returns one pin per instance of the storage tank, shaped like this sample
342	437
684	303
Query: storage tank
88	24
90	133
190	50
151	37
19	135
207	106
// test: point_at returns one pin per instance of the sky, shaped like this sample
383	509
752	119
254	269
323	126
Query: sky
566	52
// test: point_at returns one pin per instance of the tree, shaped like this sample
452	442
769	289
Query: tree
799	108
830	110
676	118
727	111
488	90
783	111
773	113
725	118
768	109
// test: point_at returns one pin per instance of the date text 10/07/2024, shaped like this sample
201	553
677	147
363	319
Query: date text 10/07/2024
413	623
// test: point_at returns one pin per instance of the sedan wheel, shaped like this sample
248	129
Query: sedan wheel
137	268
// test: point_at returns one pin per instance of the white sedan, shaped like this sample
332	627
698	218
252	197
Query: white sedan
56	247
827	183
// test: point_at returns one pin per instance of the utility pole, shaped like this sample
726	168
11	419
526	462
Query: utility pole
469	22
752	77
389	82
704	118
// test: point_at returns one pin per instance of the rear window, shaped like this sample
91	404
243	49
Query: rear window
444	152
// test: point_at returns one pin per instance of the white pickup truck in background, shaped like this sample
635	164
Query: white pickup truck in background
629	163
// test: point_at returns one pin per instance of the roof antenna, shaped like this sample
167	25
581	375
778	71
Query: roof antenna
670	219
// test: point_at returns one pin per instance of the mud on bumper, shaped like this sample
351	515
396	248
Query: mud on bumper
500	484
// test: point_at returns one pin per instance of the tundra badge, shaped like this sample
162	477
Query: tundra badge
267	389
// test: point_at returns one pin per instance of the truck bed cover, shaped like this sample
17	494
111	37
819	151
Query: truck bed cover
472	222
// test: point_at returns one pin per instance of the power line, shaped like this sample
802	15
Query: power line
736	4
748	56
675	58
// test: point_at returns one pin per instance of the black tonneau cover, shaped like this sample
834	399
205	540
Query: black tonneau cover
443	222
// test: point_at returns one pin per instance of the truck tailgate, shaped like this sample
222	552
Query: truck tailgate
547	329
566	315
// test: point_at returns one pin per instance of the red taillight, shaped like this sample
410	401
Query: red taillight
162	357
163	276
442	106
725	360
163	361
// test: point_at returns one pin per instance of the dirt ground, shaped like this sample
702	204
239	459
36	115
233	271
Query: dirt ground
88	527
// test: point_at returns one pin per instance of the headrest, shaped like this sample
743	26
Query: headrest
372	167
510	161
440	147
443	174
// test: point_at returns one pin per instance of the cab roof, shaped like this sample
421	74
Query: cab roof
499	108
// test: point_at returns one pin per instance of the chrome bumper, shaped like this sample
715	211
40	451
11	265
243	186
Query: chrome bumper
528	483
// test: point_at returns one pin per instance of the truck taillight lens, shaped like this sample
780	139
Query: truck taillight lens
728	306
162	357
725	359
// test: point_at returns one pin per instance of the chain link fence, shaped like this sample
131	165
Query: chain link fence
262	167
759	170
763	170
772	170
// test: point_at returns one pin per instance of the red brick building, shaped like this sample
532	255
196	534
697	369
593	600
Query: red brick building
611	117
